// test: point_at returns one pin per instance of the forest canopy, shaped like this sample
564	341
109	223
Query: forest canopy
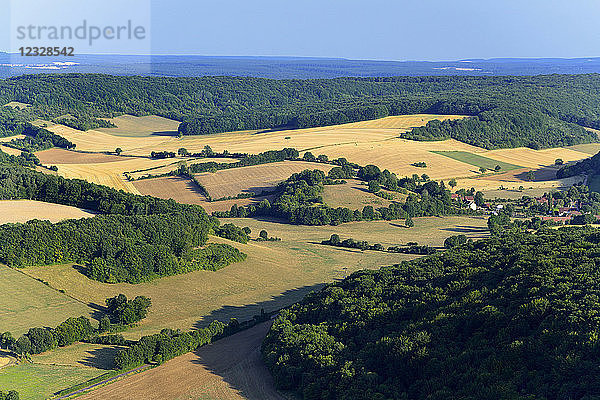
538	111
511	317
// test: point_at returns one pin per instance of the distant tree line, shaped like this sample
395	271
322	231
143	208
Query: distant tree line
535	111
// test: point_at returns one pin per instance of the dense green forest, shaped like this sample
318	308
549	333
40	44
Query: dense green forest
135	239
539	111
510	317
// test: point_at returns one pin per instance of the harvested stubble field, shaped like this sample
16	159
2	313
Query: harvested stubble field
229	369
61	156
183	190
176	163
255	178
274	275
26	302
132	126
12	211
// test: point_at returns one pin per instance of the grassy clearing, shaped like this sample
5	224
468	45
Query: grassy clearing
26	303
477	160
80	355
274	275
355	195
38	381
12	211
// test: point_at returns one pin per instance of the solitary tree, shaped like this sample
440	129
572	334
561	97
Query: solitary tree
183	152
263	235
452	183
334	240
374	187
497	168
409	223
482	170
308	156
559	161
118	151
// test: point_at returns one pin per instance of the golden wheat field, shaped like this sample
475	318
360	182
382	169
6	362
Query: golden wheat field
256	178
12	211
132	126
369	142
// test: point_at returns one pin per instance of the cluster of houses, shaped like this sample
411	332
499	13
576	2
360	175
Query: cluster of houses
557	214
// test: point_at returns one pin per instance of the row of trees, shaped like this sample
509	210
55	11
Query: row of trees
505	317
85	123
536	111
39	340
410	248
166	345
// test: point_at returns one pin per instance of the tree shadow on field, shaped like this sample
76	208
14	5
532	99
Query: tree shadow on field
237	358
466	229
248	311
99	311
101	358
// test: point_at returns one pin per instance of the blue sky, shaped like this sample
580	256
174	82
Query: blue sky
365	29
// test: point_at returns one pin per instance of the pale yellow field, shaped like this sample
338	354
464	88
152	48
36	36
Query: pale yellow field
275	274
535	158
12	211
129	125
113	173
369	142
403	122
9	138
256	178
10	150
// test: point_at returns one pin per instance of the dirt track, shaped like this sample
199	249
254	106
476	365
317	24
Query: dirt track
228	369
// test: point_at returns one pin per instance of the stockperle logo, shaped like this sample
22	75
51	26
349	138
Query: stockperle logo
58	30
